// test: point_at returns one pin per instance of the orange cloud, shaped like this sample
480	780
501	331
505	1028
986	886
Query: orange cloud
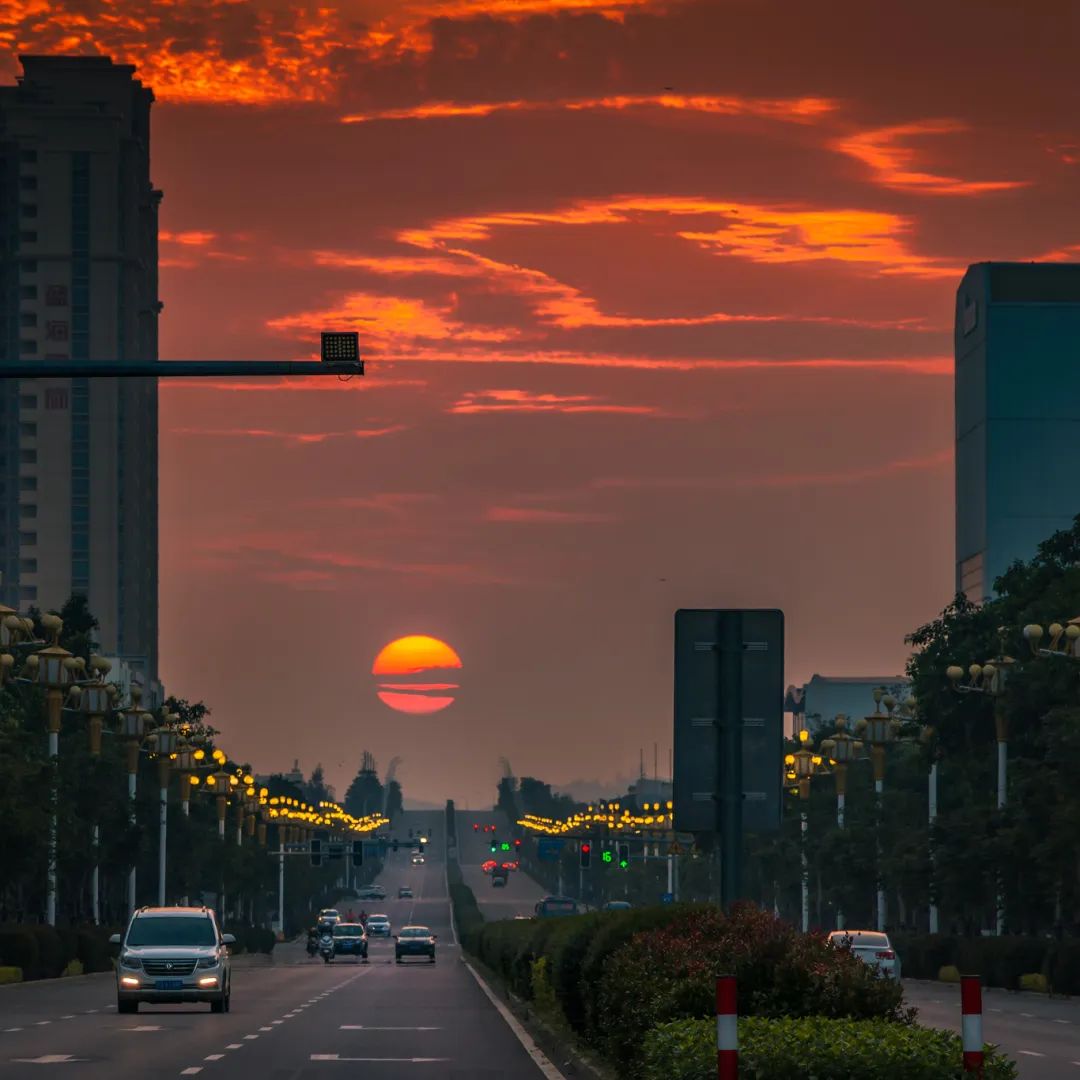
895	165
797	110
501	401
305	384
192	238
296	438
538	516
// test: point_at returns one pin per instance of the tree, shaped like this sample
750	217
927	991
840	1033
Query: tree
365	794
394	802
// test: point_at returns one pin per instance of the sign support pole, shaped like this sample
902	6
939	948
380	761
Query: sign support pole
729	767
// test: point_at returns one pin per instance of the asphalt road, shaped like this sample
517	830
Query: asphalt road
520	894
295	1017
1042	1035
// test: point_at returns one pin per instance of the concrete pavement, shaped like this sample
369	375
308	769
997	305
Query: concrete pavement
1041	1034
296	1017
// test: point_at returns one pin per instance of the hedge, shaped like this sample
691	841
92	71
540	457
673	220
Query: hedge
1000	961
251	939
792	1049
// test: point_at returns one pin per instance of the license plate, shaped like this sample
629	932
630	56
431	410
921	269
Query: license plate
168	984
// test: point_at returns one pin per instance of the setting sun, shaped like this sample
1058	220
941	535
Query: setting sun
416	655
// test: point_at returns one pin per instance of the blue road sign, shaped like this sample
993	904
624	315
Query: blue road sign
548	848
667	898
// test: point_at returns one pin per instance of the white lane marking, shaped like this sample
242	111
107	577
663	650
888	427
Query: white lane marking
995	1010
234	1046
277	1021
266	1029
48	1059
143	1027
213	1057
412	1060
191	1070
1058	1020
1030	1016
523	1037
92	1011
42	1023
364	1027
13	1029
70	1016
1031	1053
250	1037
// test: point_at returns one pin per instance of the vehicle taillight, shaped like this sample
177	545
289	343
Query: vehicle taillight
886	954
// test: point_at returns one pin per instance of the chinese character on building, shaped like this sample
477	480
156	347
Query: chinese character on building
56	397
56	330
56	295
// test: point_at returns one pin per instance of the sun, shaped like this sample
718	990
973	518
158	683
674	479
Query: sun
414	659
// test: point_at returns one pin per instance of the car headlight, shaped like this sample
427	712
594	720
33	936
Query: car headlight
208	962
129	961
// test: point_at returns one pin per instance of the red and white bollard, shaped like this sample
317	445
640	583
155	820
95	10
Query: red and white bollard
727	1029
971	1023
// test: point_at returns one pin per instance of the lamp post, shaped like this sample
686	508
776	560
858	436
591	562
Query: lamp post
95	699
132	728
805	762
841	749
878	730
992	680
163	741
928	736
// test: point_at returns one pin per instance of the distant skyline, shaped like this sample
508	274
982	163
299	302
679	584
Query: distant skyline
657	299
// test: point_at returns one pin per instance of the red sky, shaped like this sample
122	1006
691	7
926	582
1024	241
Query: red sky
657	299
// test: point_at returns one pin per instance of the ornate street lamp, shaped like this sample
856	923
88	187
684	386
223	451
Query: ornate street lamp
133	723
842	749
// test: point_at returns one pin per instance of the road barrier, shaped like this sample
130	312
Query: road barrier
727	1029
971	1023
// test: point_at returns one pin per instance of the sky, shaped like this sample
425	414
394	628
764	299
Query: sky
657	303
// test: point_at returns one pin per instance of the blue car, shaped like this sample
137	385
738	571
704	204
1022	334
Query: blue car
350	940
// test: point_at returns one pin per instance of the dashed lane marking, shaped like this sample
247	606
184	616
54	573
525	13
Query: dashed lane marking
70	1016
143	1027
234	1046
1058	1020
250	1037
13	1029
191	1070
1031	1053
407	1061
213	1057
48	1059
364	1027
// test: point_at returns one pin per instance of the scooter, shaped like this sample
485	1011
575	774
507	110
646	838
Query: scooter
326	947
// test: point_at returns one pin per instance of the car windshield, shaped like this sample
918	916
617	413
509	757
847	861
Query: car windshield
177	930
860	939
348	930
415	931
377	918
329	914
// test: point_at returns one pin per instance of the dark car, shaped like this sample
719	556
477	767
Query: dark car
404	893
415	941
350	940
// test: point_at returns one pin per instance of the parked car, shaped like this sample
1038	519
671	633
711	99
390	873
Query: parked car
616	905
870	946
173	955
415	941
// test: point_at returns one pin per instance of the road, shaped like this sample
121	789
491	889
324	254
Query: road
521	893
1042	1035
294	1017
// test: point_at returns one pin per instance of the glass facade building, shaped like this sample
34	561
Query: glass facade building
1017	385
78	281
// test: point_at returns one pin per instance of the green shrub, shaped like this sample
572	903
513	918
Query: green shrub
468	918
1061	966
950	973
74	967
92	948
51	957
566	949
19	948
922	956
1001	960
1034	983
543	996
10	975
792	1049
670	974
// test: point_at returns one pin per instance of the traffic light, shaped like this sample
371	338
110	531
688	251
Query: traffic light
316	853
494	847
624	856
606	857
505	845
476	827
358	853
395	845
517	843
586	855
420	847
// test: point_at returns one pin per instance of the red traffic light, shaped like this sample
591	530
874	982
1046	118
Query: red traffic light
517	843
586	848
475	828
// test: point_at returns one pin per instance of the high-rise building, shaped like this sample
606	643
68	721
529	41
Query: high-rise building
78	281
1017	413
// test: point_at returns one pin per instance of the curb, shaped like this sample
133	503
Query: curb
938	984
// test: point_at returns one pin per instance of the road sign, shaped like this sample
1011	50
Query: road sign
548	848
335	851
667	898
729	699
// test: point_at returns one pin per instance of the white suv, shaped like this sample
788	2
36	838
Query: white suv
173	955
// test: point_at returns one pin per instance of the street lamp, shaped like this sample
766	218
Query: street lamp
842	749
805	761
878	730
95	699
133	723
928	737
163	742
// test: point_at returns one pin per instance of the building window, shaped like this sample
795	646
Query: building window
28	539
27	292
28	483
28	566
28	209
971	578
27	236
27	457
28	429
28	183
27	346
28	594
28	318
29	266
27	510
28	401
28	157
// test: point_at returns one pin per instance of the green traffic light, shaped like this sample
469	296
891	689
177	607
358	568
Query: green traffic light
623	864
505	846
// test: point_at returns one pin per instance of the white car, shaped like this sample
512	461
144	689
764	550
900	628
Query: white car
378	926
870	946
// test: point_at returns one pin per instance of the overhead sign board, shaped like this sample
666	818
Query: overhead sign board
729	693
549	848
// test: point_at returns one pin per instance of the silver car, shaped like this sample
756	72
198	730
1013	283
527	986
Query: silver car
870	946
173	955
378	926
